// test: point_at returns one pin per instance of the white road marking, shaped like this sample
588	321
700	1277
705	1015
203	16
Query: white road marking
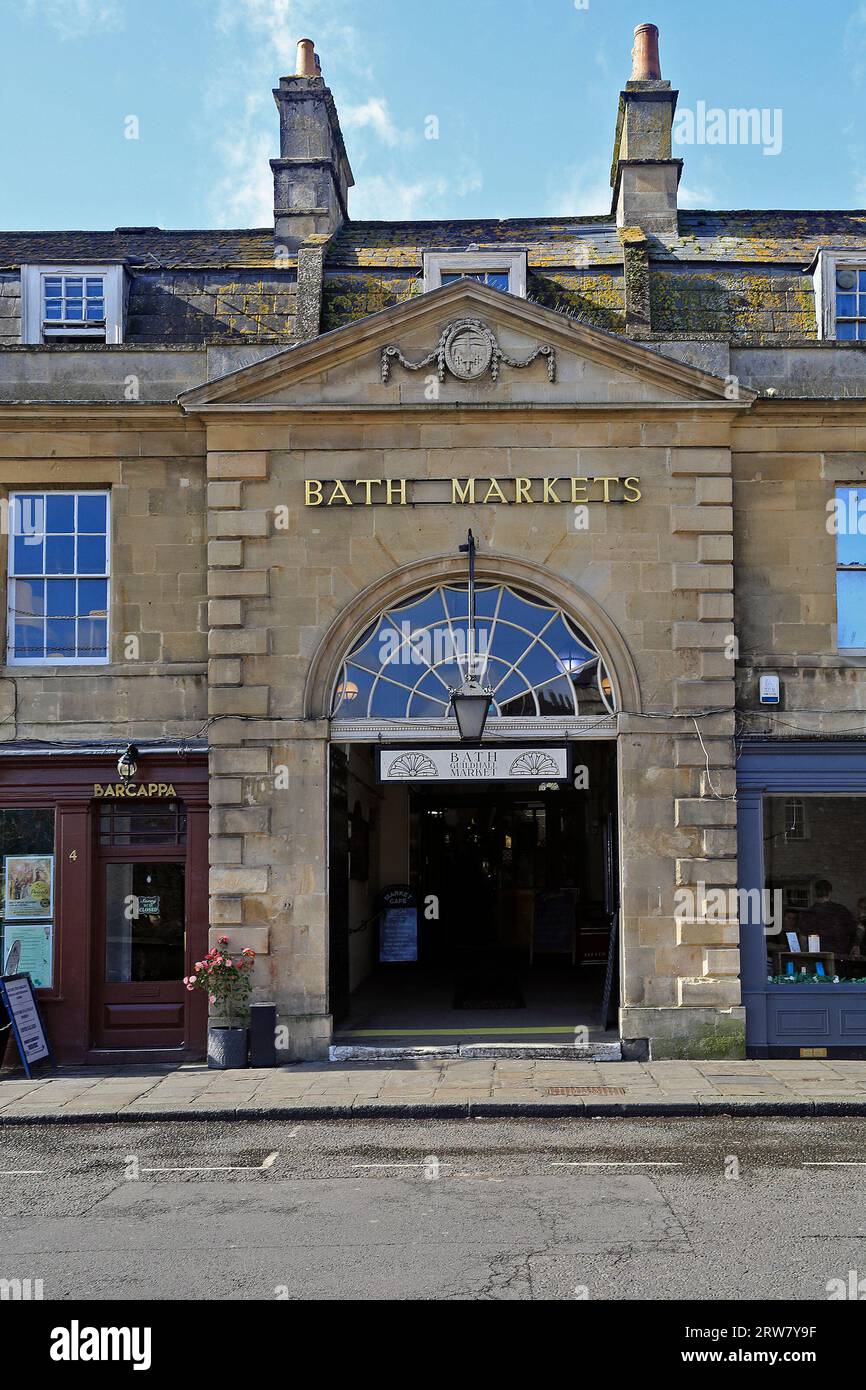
21	1172
860	1163
620	1163
398	1165
243	1168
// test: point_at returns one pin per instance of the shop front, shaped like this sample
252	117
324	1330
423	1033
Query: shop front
105	898
802	835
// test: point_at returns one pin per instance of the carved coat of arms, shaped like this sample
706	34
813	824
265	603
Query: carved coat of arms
468	349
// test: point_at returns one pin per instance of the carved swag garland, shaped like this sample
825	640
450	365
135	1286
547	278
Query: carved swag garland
467	349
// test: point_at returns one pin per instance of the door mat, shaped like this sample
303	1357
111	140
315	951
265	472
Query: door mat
488	992
585	1091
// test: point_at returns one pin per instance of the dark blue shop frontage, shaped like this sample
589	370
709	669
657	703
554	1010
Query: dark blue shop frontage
801	832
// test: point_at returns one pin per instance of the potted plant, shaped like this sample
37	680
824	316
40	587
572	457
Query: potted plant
226	980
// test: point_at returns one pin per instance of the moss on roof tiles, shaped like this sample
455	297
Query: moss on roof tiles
748	235
348	298
754	304
151	249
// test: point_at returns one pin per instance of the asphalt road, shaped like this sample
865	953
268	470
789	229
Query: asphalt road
474	1209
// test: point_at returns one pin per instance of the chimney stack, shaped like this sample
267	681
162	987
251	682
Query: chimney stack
306	61
645	64
312	176
644	177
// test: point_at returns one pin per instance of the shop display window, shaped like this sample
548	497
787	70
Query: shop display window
815	877
28	900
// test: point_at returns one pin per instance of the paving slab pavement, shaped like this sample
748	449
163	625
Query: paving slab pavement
425	1086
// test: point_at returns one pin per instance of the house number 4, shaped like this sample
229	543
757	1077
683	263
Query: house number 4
73	854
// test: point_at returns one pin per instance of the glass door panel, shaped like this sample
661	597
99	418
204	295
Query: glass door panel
144	922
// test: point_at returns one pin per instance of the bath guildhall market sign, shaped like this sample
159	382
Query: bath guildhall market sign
473	764
463	492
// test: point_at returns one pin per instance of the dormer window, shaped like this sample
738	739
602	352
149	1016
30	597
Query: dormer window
840	295
499	279
503	270
850	303
72	304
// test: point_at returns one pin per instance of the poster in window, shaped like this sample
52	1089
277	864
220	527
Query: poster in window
29	893
28	950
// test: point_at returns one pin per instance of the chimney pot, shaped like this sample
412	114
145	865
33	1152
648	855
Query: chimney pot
306	63
645	64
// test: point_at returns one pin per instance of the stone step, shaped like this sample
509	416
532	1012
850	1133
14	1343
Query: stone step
591	1052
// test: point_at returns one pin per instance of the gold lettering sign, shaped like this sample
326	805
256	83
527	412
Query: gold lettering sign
125	790
462	492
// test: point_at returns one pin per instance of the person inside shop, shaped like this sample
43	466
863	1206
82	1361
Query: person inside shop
791	922
859	931
830	921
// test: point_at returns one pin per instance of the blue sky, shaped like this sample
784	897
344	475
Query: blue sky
524	91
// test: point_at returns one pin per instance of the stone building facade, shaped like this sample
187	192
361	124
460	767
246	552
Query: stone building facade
645	419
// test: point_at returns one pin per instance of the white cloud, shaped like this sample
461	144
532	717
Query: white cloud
258	40
585	190
855	43
277	23
694	196
244	196
77	19
392	196
374	115
386	196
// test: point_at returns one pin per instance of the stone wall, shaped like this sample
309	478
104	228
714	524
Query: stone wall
787	464
280	574
154	685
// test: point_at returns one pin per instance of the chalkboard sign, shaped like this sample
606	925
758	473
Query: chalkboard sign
553	927
398	925
22	1009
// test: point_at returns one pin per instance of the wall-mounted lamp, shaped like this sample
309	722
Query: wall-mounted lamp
127	763
471	700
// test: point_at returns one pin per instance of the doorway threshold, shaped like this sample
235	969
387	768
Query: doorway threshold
424	1043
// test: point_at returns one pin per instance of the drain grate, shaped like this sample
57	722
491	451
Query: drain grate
585	1091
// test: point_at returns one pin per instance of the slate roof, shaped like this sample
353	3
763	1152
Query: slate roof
783	236
149	247
787	237
740	274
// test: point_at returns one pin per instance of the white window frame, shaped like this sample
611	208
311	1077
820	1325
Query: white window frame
513	263
33	299
831	259
796	820
844	569
11	581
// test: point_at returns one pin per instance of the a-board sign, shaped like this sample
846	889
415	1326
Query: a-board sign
553	928
22	1009
398	925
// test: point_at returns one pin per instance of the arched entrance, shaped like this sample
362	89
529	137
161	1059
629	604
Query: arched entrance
472	887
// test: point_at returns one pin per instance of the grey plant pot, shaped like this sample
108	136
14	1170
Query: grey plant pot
226	1048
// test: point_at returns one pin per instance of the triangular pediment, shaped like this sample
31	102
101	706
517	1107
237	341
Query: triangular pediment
464	343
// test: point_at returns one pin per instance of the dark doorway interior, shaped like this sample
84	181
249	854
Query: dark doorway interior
515	887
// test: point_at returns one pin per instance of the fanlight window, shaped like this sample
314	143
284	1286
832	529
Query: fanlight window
537	661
